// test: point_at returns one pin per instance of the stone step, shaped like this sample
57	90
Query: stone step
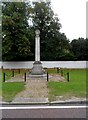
30	100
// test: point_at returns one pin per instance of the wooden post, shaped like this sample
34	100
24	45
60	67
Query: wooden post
18	71
68	76
12	73
47	77
61	72
3	77
57	70
25	77
2	67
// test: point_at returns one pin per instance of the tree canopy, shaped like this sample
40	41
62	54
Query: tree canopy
53	43
18	42
15	43
79	47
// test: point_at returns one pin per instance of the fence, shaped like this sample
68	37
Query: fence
66	74
11	73
45	64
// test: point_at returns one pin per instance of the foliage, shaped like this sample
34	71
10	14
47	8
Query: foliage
79	47
18	43
53	43
0	83
15	43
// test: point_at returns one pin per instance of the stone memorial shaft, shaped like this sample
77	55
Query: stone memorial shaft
37	46
37	65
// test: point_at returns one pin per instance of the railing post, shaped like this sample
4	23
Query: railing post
1	67
25	77
61	72
68	76
57	70
12	73
3	77
47	77
18	71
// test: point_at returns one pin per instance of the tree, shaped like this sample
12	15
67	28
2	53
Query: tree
79	48
86	49
15	42
53	43
19	37
0	33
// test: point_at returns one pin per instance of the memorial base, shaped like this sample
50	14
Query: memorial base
37	68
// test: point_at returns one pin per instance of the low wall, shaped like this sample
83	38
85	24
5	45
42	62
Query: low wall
47	64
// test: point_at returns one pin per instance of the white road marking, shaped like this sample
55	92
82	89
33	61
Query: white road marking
43	107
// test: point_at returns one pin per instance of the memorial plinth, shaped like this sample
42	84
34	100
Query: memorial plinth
37	65
37	68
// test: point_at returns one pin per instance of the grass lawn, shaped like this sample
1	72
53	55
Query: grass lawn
75	87
0	83
8	90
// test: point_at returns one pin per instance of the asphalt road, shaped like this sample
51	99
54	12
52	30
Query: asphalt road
46	112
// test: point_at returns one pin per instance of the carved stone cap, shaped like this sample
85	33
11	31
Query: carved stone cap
37	32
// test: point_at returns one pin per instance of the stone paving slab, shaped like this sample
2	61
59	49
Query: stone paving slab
72	99
37	101
17	78
34	89
30	100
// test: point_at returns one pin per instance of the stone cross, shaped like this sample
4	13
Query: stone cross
37	45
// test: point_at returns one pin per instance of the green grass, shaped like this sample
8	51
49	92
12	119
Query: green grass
51	71
75	87
9	90
0	83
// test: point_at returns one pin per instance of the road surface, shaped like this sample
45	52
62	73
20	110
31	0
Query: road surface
44	112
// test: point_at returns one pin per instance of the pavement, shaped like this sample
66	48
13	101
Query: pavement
44	101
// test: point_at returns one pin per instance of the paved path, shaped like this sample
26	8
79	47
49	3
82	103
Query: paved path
35	91
17	78
35	88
